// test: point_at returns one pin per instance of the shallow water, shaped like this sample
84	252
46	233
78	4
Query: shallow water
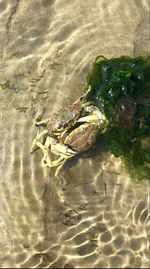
93	214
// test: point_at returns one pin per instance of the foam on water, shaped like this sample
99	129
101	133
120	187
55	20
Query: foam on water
93	215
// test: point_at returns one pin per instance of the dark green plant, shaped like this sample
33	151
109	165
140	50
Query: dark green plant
120	88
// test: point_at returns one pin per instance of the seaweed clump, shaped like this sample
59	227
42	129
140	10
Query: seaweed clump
120	88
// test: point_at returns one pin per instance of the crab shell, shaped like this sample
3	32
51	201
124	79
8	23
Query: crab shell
83	137
67	119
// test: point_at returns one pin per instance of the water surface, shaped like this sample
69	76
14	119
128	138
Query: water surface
93	215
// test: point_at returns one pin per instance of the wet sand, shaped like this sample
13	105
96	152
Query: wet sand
93	214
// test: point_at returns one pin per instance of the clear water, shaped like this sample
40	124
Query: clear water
93	215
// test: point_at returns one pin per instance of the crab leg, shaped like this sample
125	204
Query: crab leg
35	141
38	123
90	118
46	161
57	148
61	165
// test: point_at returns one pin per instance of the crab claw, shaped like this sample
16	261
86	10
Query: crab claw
62	150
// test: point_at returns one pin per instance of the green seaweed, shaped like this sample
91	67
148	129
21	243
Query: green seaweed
120	88
2	86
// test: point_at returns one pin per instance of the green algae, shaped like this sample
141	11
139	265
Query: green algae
3	86
120	88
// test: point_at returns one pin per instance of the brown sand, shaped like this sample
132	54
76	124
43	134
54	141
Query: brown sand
93	215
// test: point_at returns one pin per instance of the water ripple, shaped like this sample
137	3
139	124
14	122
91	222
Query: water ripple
93	215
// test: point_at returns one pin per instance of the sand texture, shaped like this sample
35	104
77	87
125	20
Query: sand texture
93	214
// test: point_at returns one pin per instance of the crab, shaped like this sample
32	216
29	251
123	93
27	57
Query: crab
69	137
116	103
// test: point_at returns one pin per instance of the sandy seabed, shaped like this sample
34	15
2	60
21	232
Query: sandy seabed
92	215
